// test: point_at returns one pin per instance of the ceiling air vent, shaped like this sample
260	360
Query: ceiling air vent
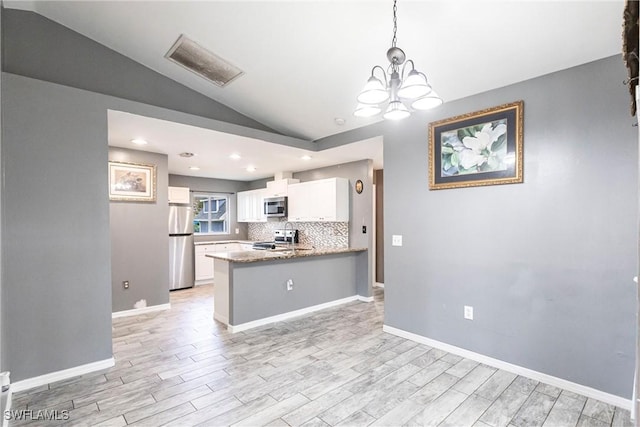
195	58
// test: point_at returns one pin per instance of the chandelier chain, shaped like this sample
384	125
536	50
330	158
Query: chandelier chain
395	24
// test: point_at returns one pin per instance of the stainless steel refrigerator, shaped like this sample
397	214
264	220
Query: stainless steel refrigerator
181	260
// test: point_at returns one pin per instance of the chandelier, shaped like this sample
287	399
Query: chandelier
401	88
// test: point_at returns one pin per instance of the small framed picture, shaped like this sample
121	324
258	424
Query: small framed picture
132	182
359	186
479	148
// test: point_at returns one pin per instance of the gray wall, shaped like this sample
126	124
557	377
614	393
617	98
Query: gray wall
55	231
546	264
43	49
205	185
140	240
259	289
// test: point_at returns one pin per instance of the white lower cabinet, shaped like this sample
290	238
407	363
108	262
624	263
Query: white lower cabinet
204	264
324	200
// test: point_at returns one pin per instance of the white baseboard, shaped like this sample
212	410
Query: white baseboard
143	310
220	318
286	316
61	375
364	299
378	285
611	399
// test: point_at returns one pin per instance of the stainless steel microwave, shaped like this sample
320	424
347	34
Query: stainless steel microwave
275	207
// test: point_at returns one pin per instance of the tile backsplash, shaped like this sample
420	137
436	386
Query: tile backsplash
316	234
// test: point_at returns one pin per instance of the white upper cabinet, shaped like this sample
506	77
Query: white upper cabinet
279	188
179	195
324	200
250	206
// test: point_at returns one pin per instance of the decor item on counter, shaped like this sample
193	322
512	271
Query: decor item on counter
412	88
359	186
132	182
479	148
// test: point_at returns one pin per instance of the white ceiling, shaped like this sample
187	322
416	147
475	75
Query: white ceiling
305	61
213	149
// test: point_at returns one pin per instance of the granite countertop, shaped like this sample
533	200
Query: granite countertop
280	253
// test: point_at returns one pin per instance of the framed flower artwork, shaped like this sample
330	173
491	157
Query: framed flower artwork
479	148
132	182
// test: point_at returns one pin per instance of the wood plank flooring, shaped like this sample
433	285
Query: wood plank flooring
335	367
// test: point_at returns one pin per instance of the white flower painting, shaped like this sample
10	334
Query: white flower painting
474	149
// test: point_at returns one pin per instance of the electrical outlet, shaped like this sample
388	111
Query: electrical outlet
290	284
237	231
396	240
468	312
125	284
364	229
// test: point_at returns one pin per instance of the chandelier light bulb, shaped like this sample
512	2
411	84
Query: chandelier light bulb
432	100
396	111
374	92
414	86
367	110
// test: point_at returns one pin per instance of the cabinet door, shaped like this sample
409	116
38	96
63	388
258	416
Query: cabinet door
257	198
242	206
325	194
319	201
204	264
297	202
179	195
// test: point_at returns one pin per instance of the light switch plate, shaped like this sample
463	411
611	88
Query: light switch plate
396	240
468	312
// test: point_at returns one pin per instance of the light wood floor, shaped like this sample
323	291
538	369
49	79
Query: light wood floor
334	367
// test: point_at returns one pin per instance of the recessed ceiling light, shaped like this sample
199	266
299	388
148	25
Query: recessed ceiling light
340	121
139	141
194	168
235	156
306	157
251	168
186	154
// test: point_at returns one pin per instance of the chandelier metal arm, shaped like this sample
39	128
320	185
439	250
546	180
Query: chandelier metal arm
373	70
404	66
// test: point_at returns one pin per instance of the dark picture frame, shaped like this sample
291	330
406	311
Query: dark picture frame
476	149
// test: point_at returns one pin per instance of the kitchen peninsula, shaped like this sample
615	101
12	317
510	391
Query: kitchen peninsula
254	288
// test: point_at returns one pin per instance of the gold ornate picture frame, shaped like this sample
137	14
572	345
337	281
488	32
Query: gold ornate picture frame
479	148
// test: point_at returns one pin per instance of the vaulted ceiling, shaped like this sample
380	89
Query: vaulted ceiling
306	61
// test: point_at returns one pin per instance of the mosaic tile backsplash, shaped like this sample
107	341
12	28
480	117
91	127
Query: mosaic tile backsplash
316	234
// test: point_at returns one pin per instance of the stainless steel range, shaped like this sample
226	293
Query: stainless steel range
279	237
286	236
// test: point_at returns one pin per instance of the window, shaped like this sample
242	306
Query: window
210	214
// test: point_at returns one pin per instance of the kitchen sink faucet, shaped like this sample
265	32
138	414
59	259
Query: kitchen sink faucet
290	242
